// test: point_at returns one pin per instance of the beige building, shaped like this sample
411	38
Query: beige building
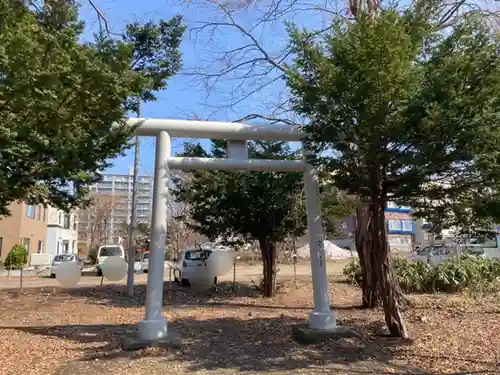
26	226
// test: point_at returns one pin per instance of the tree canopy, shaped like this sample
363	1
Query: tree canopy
254	205
63	103
399	110
402	107
155	53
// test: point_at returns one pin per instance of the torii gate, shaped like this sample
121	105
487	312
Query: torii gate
154	326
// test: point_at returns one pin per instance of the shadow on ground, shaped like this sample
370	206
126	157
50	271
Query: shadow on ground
174	295
252	345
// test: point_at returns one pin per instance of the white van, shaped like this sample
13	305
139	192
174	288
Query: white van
108	251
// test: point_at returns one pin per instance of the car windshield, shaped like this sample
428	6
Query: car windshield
474	250
433	250
108	251
424	251
64	258
197	254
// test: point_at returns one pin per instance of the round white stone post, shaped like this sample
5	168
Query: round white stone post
154	326
322	317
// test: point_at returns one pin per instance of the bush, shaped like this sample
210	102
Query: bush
352	271
450	276
17	258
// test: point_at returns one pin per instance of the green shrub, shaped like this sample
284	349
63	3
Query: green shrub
17	258
412	276
452	275
352	271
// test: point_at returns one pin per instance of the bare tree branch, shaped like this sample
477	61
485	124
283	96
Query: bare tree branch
243	48
181	233
102	20
95	220
253	69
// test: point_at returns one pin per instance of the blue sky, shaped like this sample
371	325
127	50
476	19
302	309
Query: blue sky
186	96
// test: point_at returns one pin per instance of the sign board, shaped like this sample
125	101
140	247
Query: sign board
40	260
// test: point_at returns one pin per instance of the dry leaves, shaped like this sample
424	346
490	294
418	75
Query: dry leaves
78	332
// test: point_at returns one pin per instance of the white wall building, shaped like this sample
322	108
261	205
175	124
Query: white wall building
62	232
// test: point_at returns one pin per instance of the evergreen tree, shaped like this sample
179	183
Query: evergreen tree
401	108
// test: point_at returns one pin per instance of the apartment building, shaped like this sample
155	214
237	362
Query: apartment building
400	226
117	188
62	232
26	226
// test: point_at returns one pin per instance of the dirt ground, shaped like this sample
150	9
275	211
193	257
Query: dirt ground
244	273
78	331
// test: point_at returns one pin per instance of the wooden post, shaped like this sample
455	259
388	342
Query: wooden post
295	269
21	282
234	273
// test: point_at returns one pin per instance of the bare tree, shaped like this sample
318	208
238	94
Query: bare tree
181	234
248	67
242	47
95	220
142	236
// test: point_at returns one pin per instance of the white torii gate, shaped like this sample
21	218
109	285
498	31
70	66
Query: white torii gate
154	326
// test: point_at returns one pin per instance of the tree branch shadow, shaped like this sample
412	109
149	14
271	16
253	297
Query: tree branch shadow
174	295
253	345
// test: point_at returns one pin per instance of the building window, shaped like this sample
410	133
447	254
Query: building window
40	247
30	210
26	244
67	220
39	213
44	213
394	225
74	223
1	246
60	218
407	226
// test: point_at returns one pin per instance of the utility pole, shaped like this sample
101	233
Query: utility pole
133	216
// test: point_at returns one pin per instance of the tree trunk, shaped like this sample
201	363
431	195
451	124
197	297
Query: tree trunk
268	251
388	288
363	239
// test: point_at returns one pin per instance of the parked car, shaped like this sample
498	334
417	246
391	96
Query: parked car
108	251
437	254
63	258
189	263
432	254
474	250
145	262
